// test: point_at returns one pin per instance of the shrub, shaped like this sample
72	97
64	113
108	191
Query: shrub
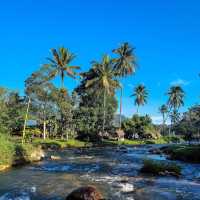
7	150
159	167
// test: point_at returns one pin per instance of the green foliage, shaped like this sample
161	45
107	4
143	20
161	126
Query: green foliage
140	127
125	63
175	101
31	133
141	95
7	150
11	111
59	65
59	144
164	112
12	152
89	112
189	125
51	107
159	167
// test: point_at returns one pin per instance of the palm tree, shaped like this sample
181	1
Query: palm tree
175	101
103	80
59	64
176	96
141	95
124	65
163	110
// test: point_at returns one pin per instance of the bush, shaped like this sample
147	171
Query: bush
140	127
12	153
7	150
173	139
159	167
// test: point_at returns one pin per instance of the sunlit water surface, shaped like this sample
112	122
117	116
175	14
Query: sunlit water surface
114	171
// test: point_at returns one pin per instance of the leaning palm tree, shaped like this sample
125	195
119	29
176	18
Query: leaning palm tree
59	64
103	81
141	95
176	100
125	65
164	111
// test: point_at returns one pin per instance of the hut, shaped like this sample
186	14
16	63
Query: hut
120	134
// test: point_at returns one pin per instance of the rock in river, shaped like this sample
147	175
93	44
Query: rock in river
85	193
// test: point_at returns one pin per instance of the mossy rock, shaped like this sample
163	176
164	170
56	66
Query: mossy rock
186	153
160	168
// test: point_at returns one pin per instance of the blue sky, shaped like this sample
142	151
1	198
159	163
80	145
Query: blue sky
166	35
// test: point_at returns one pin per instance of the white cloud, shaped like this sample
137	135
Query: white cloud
156	119
159	120
180	81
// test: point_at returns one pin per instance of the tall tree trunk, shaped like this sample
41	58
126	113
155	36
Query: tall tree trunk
62	79
104	109
25	120
120	115
163	126
44	129
137	110
67	136
170	128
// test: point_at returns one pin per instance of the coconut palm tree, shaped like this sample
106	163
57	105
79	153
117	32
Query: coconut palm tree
124	65
59	64
141	95
163	110
103	80
176	100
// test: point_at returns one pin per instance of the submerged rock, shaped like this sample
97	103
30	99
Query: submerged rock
85	193
55	157
124	187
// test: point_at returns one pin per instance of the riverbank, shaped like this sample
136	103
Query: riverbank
14	154
161	140
60	144
73	143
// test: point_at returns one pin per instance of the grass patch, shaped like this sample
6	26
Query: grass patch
59	144
125	142
160	167
161	140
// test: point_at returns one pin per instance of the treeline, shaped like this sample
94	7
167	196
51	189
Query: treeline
88	111
55	113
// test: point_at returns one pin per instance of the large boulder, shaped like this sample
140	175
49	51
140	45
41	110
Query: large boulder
85	193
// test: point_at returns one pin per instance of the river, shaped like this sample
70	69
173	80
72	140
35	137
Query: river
113	170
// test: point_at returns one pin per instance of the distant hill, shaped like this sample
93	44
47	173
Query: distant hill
116	120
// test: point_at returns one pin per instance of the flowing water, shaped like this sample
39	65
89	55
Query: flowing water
114	171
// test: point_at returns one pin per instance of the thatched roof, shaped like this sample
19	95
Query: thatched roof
120	133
